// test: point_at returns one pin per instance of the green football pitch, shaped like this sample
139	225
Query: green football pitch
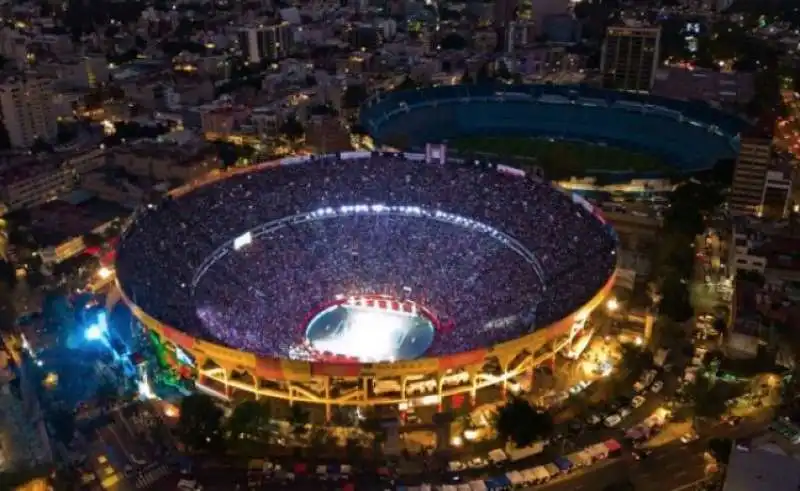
561	158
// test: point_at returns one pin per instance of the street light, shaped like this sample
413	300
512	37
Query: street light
612	305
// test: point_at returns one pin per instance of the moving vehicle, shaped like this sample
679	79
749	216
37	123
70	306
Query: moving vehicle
657	386
689	437
612	421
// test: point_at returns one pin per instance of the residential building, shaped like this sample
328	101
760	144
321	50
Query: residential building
630	57
750	177
266	42
35	181
768	248
26	105
734	88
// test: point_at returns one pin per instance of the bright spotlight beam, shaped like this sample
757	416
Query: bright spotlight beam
366	335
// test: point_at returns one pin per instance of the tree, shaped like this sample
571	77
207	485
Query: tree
62	423
106	395
292	129
407	84
92	240
483	76
250	421
466	78
227	153
354	96
453	41
634	358
8	312
502	71
518	421
200	424
298	418
57	313
720	448
675	302
706	399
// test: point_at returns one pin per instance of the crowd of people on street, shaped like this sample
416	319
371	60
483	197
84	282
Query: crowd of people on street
511	254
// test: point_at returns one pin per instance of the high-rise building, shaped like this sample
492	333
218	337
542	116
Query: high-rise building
750	177
27	108
505	12
270	42
630	57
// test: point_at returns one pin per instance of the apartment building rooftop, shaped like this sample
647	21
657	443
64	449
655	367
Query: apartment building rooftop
55	222
765	467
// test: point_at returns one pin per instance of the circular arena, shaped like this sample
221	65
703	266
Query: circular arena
687	135
365	278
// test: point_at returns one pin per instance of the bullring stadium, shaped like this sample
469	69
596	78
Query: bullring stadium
365	278
688	136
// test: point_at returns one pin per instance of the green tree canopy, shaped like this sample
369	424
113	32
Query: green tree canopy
292	129
200	424
706	398
298	418
518	421
454	41
634	358
250	420
355	95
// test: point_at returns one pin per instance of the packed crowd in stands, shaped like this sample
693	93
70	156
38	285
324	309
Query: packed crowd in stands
257	297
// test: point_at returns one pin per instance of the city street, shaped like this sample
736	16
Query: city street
669	467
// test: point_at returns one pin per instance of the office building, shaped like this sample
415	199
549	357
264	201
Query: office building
266	42
27	109
630	57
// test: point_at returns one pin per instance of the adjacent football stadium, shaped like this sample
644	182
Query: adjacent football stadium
661	136
365	278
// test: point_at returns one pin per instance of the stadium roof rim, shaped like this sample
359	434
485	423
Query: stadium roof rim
328	213
404	107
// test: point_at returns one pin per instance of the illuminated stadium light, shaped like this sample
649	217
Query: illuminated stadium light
98	330
93	333
243	240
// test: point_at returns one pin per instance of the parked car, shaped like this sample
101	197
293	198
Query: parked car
624	412
657	386
638	401
594	420
612	421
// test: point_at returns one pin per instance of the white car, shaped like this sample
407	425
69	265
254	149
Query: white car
593	420
637	401
612	421
624	412
689	437
657	386
478	463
